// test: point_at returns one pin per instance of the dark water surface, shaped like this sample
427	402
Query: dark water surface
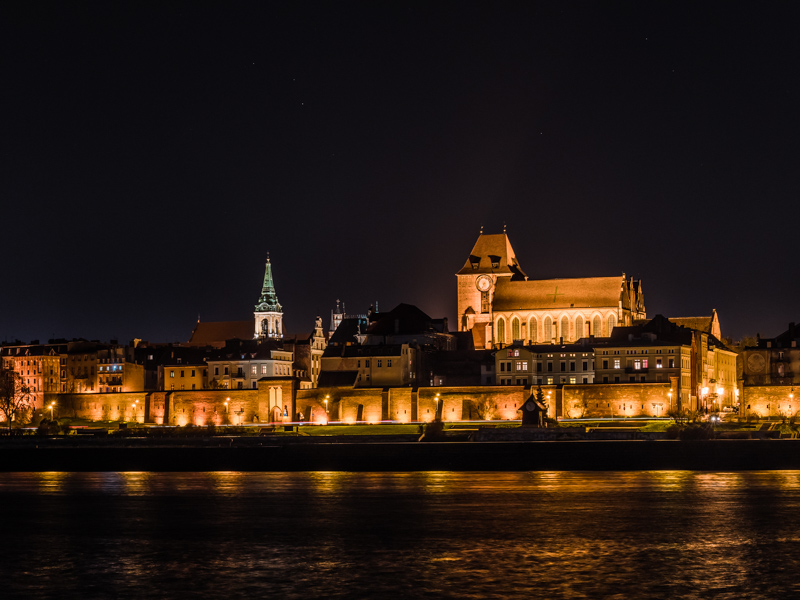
676	534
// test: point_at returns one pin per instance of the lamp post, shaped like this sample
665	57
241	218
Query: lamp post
52	404
436	410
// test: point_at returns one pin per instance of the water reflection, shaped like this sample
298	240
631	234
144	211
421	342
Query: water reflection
661	534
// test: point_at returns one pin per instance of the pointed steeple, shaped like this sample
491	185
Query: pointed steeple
268	301
269	312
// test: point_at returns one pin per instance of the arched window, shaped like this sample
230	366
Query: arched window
579	332
515	329
548	330
597	327
533	328
565	328
501	330
612	322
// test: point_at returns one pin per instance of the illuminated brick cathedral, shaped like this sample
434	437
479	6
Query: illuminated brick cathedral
500	305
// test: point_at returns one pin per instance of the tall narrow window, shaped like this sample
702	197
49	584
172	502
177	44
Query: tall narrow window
596	327
515	329
533	328
501	330
612	322
548	330
565	328
579	333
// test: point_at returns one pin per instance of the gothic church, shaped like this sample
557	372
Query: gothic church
500	305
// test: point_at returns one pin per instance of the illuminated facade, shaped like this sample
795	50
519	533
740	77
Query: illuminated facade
774	361
545	365
308	351
501	306
240	369
38	366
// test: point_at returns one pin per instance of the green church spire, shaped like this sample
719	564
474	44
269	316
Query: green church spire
268	301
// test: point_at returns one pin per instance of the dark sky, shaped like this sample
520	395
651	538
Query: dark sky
153	153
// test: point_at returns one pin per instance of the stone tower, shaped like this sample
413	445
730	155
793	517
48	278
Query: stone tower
492	258
269	313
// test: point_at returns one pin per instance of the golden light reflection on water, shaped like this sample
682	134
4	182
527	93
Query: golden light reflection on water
327	482
657	534
135	483
52	481
227	482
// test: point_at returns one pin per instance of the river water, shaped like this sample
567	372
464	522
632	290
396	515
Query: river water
675	534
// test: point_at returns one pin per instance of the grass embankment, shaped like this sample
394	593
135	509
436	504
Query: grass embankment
359	429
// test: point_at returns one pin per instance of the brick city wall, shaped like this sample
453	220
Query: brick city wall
274	400
414	404
616	400
278	400
769	401
124	406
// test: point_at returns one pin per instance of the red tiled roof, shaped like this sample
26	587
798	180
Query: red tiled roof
216	332
487	246
543	294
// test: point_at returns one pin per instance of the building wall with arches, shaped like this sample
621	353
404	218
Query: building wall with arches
544	327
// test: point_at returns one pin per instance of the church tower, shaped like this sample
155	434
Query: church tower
492	259
268	313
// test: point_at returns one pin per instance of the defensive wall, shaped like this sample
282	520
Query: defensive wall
769	401
617	400
279	400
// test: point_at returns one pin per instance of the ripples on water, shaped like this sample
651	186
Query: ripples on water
402	535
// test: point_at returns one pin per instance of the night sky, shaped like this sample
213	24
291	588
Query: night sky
153	153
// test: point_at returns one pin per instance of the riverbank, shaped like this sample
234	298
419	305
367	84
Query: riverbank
236	454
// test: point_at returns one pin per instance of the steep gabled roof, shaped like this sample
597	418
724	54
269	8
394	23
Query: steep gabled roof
585	292
337	379
403	319
489	249
216	332
347	331
697	323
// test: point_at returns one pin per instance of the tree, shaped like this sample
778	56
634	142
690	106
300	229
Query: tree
15	397
485	409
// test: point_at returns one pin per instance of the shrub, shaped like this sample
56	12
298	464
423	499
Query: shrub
699	432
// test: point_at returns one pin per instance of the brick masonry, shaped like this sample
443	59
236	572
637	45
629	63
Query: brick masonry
279	399
769	401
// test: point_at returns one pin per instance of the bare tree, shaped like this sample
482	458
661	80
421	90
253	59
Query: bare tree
15	397
485	409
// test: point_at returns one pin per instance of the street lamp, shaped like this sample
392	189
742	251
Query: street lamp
436	413
52	404
327	396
